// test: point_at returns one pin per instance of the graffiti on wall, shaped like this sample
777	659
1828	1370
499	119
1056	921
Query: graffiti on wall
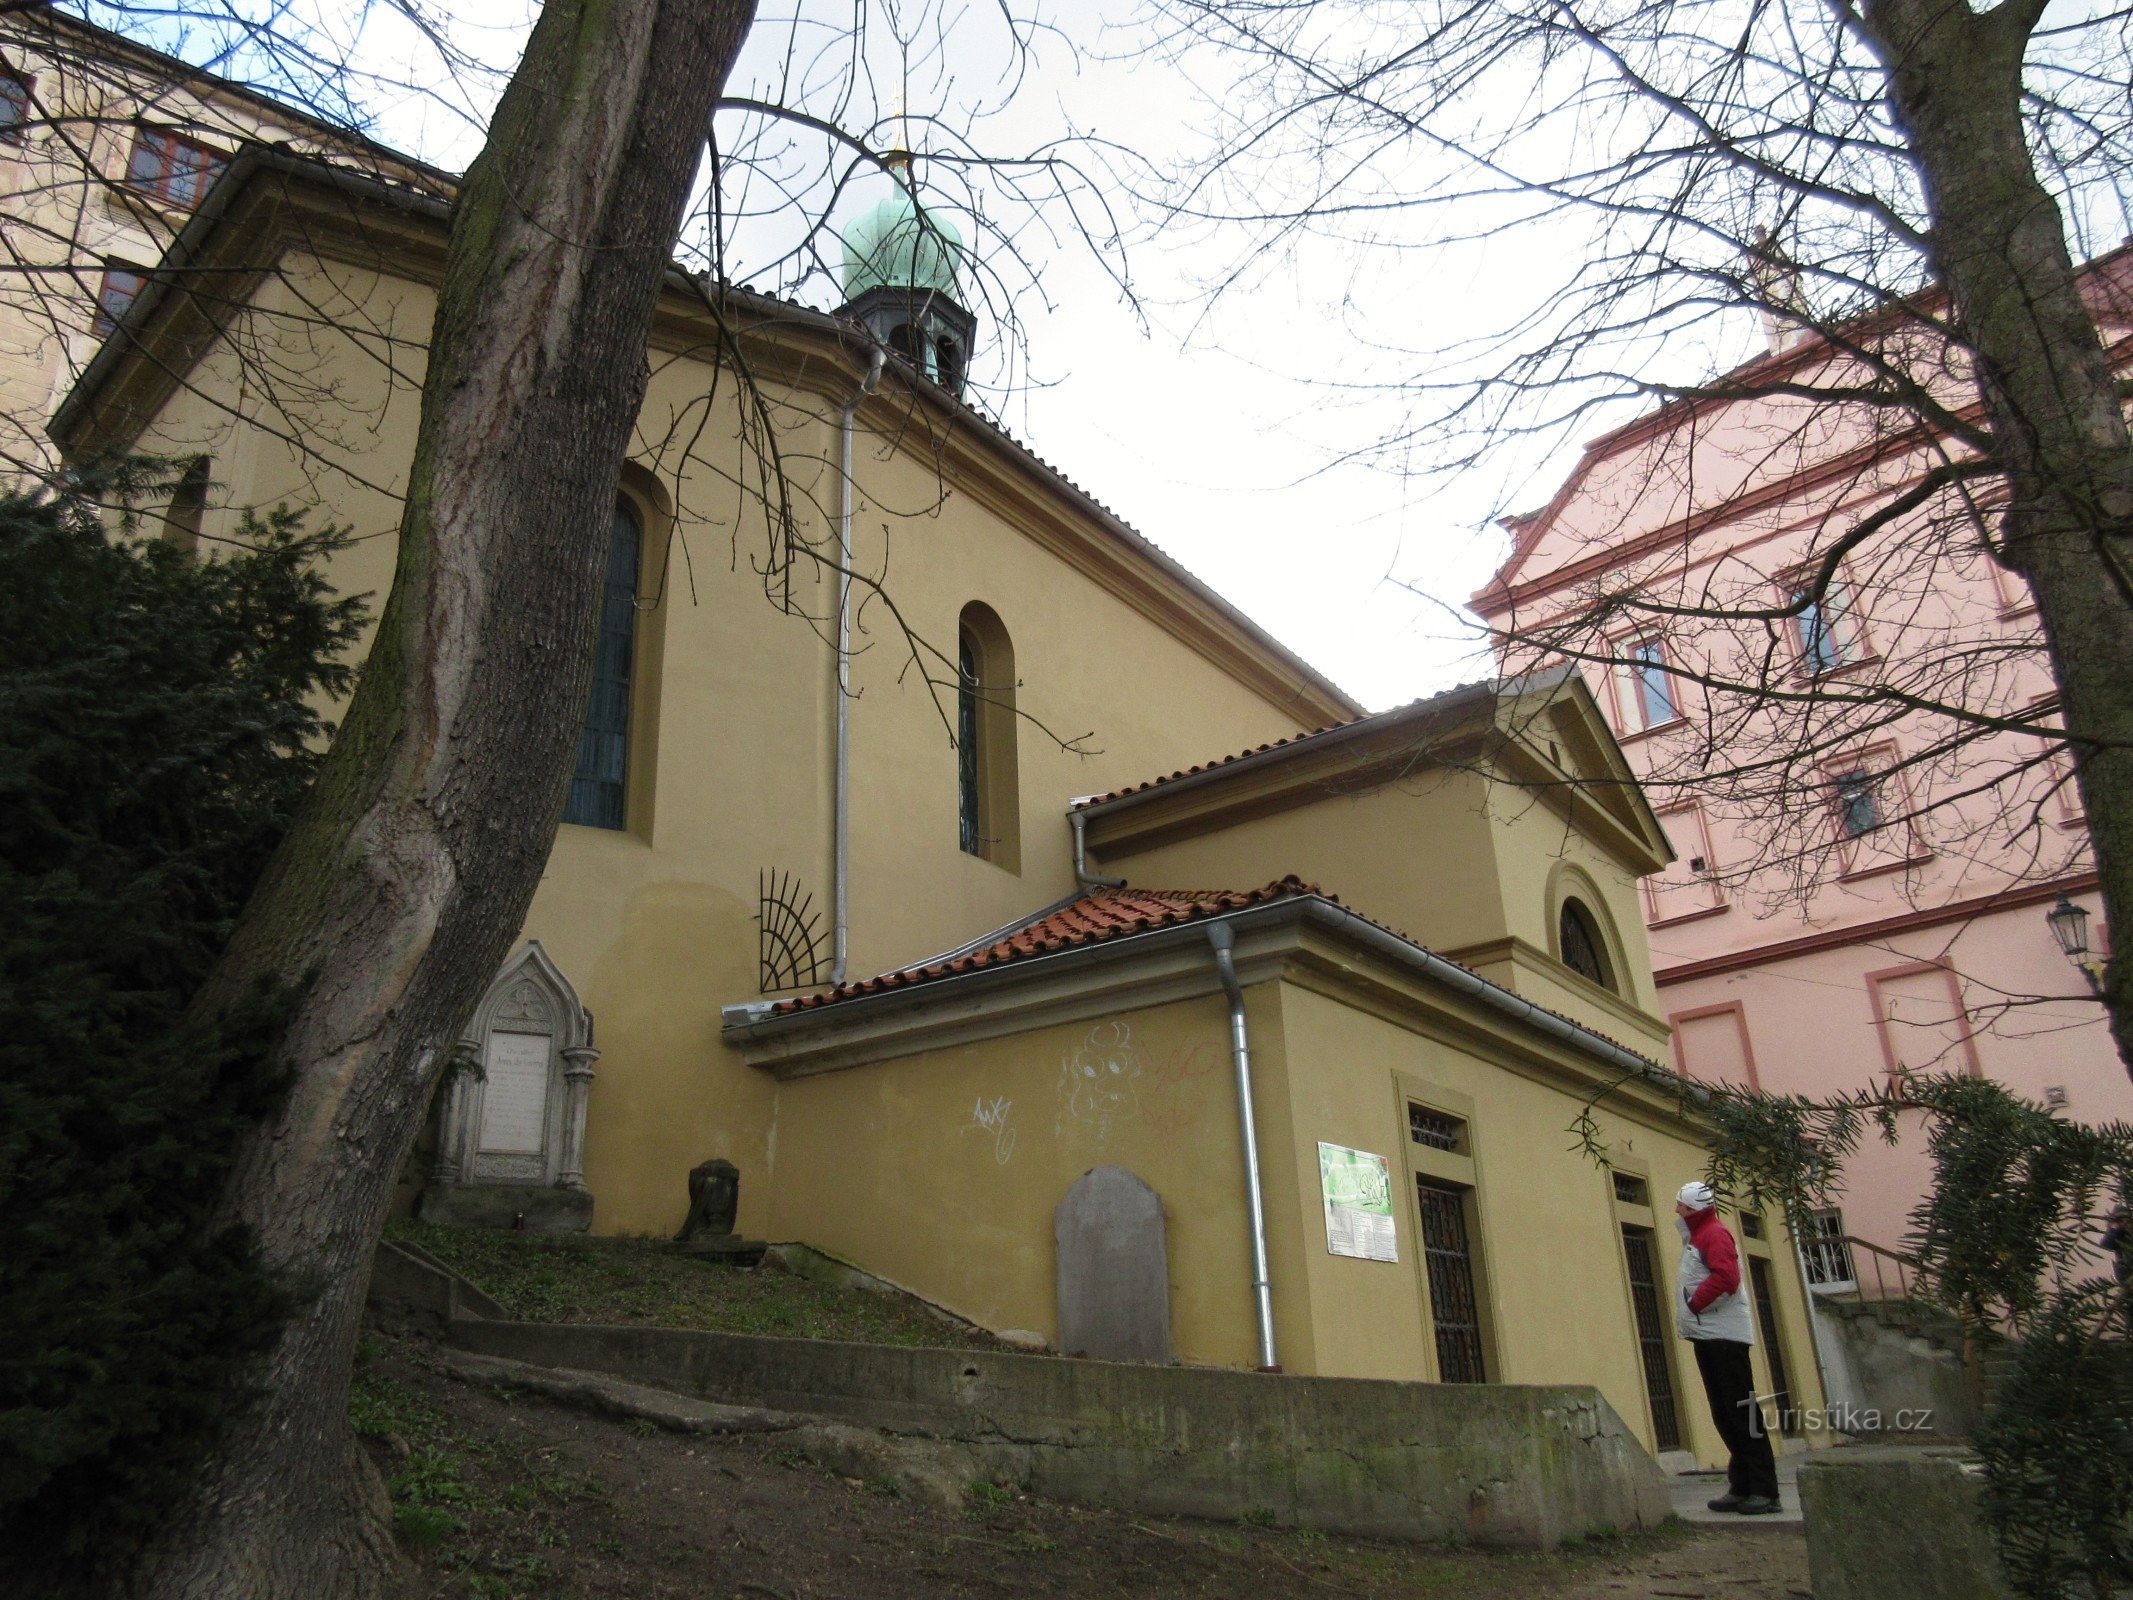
1175	1092
989	1117
1109	1079
1099	1081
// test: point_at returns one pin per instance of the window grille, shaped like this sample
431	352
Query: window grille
1435	1129
1827	1253
1455	1307
1582	950
1632	1191
1652	1336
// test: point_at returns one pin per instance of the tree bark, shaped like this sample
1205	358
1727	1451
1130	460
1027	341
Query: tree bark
401	886
1998	243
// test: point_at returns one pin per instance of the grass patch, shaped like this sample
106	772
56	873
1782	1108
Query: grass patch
645	1282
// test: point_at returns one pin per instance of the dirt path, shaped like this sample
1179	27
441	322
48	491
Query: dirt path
509	1496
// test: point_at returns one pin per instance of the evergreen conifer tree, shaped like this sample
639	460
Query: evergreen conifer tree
159	725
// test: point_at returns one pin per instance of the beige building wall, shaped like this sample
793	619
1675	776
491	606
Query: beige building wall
940	1170
1469	861
733	727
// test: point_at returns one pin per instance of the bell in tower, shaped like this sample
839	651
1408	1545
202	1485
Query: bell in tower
901	283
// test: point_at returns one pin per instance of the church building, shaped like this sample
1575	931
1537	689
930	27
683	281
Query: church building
970	876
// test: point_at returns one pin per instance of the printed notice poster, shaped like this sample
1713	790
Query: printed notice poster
1358	1191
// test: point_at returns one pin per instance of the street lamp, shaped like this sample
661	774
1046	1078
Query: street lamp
2070	926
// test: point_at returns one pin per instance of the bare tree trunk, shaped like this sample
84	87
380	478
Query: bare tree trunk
398	891
1999	248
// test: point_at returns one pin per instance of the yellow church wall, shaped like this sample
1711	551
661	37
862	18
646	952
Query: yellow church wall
1417	857
940	1171
1541	859
656	925
1556	1294
1468	863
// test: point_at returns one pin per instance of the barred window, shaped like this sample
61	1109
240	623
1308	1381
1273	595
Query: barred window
1435	1129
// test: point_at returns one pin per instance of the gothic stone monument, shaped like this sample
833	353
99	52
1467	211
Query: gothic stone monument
511	1123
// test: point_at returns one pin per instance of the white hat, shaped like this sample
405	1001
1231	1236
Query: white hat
1697	1196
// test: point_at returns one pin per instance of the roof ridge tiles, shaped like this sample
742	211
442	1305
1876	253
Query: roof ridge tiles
1100	915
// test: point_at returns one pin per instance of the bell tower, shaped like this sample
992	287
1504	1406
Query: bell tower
902	282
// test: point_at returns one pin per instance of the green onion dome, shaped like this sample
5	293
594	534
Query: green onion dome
898	245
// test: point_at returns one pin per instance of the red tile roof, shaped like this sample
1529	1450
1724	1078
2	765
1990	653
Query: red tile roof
1412	707
1105	914
1099	915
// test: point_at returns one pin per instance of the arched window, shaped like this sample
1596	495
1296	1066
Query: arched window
600	790
988	802
948	365
1583	950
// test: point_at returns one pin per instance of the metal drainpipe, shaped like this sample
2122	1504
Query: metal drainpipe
1225	942
841	812
1082	874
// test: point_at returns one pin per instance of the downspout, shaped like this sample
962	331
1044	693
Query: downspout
841	803
1082	874
1224	942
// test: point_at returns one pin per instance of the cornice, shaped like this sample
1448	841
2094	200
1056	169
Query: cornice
1529	958
2027	894
1499	595
1306	941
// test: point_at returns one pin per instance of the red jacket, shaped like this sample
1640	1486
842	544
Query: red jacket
1721	1259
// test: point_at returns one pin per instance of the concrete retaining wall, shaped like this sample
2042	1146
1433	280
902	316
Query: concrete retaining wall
1896	1382
1889	1523
1497	1463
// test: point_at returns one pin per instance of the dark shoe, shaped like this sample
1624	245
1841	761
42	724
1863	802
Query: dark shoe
1728	1501
1757	1505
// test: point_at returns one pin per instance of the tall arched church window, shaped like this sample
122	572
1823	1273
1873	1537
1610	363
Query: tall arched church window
988	802
599	791
966	745
1583	950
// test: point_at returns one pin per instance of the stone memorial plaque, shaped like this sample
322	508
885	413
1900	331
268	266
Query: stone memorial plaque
1114	1269
514	1101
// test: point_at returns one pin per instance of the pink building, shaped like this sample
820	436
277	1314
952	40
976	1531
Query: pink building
1862	880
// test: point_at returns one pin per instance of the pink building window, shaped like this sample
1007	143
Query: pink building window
1645	686
1711	1045
1872	815
172	168
117	290
15	107
1826	636
1689	887
1923	1023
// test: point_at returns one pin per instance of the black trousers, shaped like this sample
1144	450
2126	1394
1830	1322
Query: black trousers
1729	1386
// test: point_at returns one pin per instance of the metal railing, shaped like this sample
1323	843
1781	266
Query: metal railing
1833	1267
